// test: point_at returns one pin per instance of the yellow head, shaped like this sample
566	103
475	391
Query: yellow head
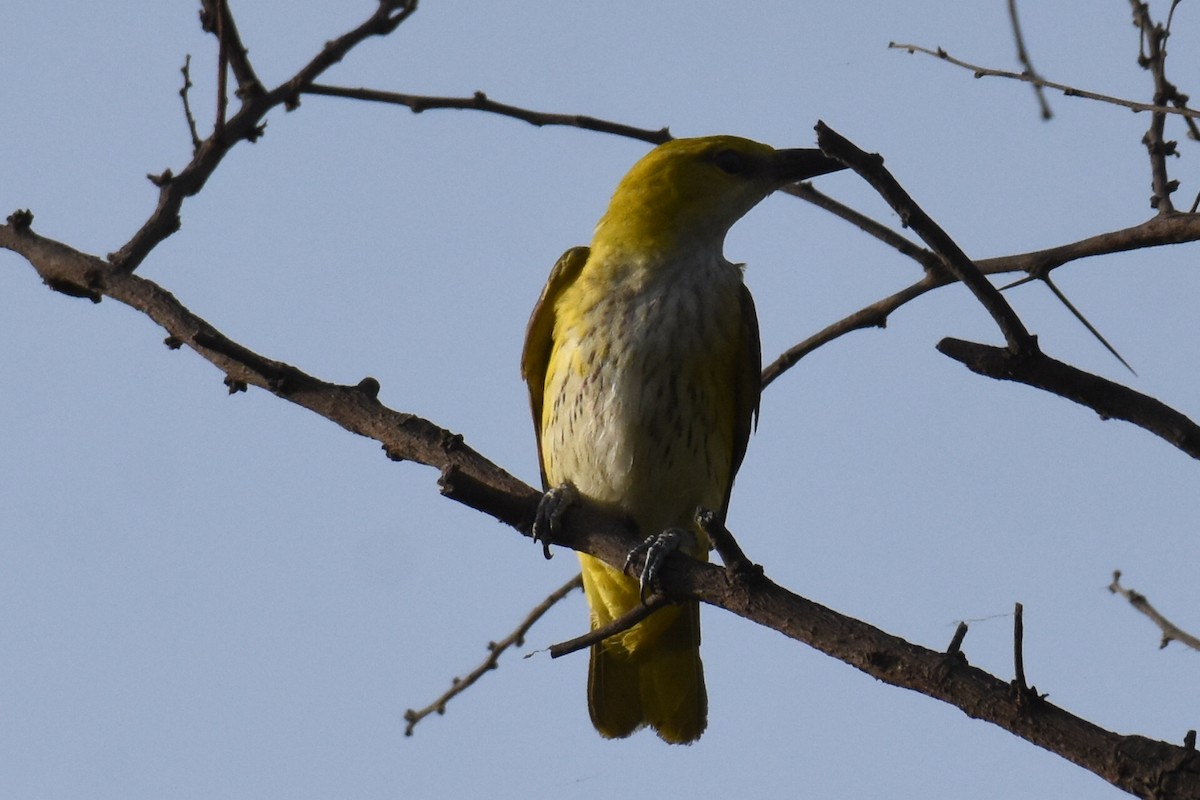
693	190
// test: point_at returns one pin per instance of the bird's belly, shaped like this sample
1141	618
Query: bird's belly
642	420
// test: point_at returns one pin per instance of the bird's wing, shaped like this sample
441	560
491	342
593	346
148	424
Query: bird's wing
539	337
747	387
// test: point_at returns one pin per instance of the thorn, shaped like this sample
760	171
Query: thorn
1091	329
1019	282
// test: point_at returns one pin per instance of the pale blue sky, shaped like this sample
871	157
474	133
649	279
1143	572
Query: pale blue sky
211	596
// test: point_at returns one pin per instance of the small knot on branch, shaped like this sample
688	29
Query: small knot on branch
21	220
369	386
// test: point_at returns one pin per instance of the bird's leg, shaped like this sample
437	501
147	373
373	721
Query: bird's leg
656	549
550	511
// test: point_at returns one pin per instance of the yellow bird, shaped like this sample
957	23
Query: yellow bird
643	364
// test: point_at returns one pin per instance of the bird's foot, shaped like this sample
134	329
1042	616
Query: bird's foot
656	548
550	511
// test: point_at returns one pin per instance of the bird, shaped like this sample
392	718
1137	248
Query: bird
642	359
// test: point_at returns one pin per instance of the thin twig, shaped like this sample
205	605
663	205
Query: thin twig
956	641
806	191
248	123
186	69
1170	631
495	650
222	69
1157	231
619	625
481	102
1019	648
1023	57
1068	91
874	315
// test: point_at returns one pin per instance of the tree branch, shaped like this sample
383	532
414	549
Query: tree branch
495	650
355	408
1023	57
479	101
1135	764
1132	763
246	125
870	168
1170	631
1152	55
1068	91
1108	399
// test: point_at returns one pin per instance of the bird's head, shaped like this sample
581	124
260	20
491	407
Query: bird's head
693	190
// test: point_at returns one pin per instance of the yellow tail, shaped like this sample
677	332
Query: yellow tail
650	674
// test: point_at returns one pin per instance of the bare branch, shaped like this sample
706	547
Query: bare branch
481	102
874	315
960	633
186	69
1023	57
1068	91
495	650
1108	399
216	19
1019	648
870	167
1170	631
621	624
1154	232
245	125
1153	56
806	191
354	407
1129	762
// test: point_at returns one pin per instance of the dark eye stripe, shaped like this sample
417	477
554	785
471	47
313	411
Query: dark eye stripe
732	162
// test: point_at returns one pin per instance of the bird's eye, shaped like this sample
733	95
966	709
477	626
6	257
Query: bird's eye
731	162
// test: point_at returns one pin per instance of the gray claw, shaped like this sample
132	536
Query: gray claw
656	548
550	511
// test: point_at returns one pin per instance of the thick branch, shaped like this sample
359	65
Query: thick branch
1135	764
1106	398
1132	763
403	436
216	19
